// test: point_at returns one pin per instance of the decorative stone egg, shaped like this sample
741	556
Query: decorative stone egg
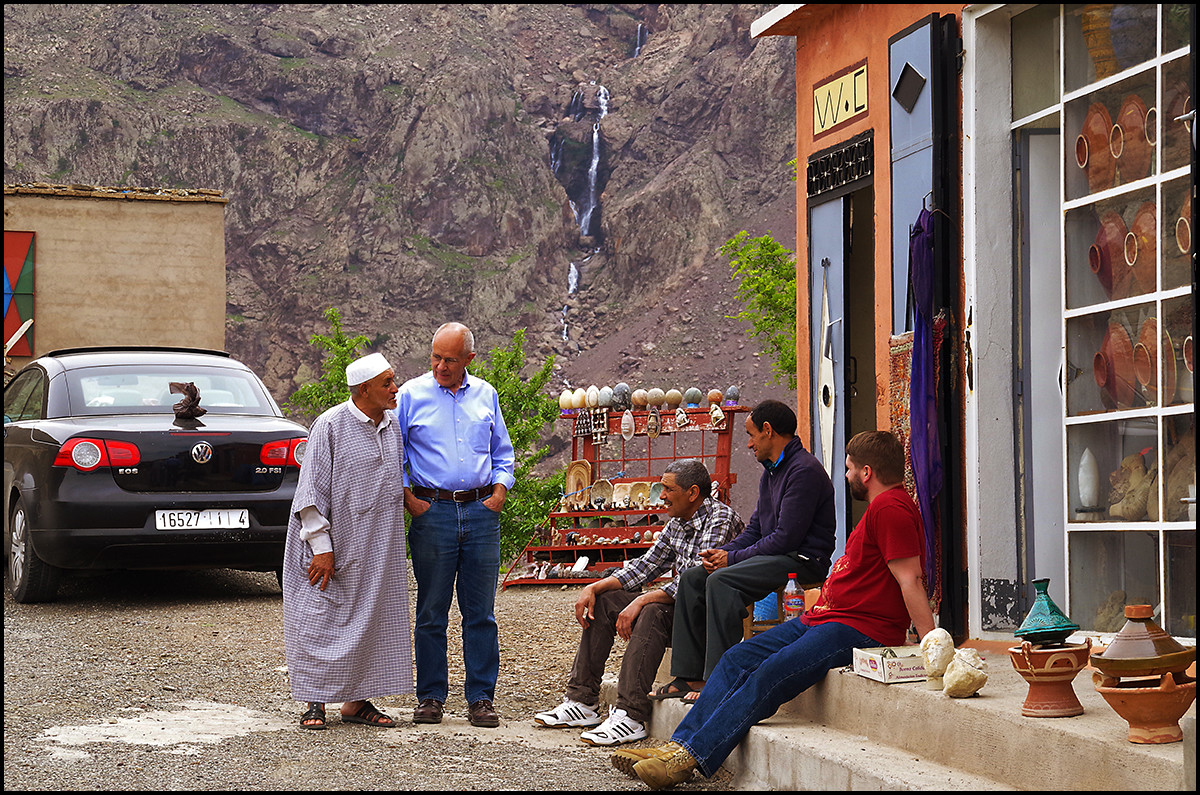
592	396
714	396
655	396
692	397
673	397
579	398
622	397
637	537
566	401
731	396
606	397
640	399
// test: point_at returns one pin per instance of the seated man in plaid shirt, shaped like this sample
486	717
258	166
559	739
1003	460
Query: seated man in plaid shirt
616	605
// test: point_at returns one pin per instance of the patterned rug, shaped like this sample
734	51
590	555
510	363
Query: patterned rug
899	400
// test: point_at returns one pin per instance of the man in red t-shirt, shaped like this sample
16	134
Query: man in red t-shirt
869	599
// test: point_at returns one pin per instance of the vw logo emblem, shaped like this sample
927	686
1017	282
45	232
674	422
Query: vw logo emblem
202	453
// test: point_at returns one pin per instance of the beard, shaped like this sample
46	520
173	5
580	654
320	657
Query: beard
858	489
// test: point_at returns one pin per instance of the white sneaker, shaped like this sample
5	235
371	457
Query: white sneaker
617	728
567	714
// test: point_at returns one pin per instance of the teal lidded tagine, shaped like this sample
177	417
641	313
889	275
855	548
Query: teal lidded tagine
1045	622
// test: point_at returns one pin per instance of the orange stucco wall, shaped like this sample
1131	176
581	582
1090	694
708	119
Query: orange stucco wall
830	39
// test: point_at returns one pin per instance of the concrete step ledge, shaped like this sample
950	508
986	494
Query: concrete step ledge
780	754
984	738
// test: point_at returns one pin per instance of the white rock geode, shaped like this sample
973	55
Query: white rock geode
937	649
965	675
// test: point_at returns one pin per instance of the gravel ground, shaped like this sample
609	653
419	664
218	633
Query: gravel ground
176	681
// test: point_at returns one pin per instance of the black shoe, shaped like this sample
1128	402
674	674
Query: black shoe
428	711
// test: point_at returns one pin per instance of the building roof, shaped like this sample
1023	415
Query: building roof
128	193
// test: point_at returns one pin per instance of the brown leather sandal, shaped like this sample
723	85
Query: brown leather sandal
368	715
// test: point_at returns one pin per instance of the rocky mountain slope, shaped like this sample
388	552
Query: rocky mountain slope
411	164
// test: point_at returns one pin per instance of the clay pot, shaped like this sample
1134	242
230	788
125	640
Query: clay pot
1187	353
1145	358
1183	228
1092	152
1049	669
1152	708
1140	245
1113	367
1128	143
1106	256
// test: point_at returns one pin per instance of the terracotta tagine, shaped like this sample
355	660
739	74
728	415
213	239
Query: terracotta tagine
1128	142
1050	669
1141	676
1046	661
1106	256
1141	243
1092	153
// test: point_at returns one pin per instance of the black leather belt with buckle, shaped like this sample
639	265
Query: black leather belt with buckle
469	495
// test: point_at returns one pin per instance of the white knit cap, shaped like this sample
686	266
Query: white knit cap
362	370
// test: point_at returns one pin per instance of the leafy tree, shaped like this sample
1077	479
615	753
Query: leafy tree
312	399
766	272
527	409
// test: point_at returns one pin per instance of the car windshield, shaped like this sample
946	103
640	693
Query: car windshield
146	389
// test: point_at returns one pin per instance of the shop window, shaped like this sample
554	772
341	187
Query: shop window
1128	409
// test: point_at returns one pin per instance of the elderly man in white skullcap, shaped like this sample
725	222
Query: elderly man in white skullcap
345	572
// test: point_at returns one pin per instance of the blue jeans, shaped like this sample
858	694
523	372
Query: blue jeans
755	678
456	542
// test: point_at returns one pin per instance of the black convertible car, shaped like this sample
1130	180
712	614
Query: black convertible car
143	458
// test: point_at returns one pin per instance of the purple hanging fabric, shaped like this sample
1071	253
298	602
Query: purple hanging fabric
923	436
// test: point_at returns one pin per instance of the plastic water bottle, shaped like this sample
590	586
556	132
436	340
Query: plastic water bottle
793	598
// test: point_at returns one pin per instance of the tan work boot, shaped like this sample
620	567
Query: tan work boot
659	772
626	758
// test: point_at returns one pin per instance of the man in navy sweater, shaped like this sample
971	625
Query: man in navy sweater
791	532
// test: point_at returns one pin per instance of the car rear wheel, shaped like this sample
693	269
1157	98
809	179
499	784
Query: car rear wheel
31	579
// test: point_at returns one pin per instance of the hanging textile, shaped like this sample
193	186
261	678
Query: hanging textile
925	447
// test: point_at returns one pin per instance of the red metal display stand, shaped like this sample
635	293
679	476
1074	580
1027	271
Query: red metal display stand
613	532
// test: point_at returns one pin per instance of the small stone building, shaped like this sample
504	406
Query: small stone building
112	266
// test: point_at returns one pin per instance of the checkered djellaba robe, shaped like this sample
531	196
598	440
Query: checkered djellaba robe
353	640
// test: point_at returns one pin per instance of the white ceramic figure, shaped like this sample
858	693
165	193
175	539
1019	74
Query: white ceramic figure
1089	480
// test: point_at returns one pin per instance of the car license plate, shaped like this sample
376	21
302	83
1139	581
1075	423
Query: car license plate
214	519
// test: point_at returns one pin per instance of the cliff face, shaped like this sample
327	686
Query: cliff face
410	164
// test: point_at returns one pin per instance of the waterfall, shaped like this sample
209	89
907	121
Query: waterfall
584	207
641	40
585	222
556	148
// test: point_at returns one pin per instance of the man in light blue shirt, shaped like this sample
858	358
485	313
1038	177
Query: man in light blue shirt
460	468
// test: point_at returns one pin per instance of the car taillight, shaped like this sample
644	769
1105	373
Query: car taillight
89	454
283	452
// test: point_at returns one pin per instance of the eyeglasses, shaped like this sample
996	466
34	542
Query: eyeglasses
433	357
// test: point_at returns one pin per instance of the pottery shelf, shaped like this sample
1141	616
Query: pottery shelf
619	523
